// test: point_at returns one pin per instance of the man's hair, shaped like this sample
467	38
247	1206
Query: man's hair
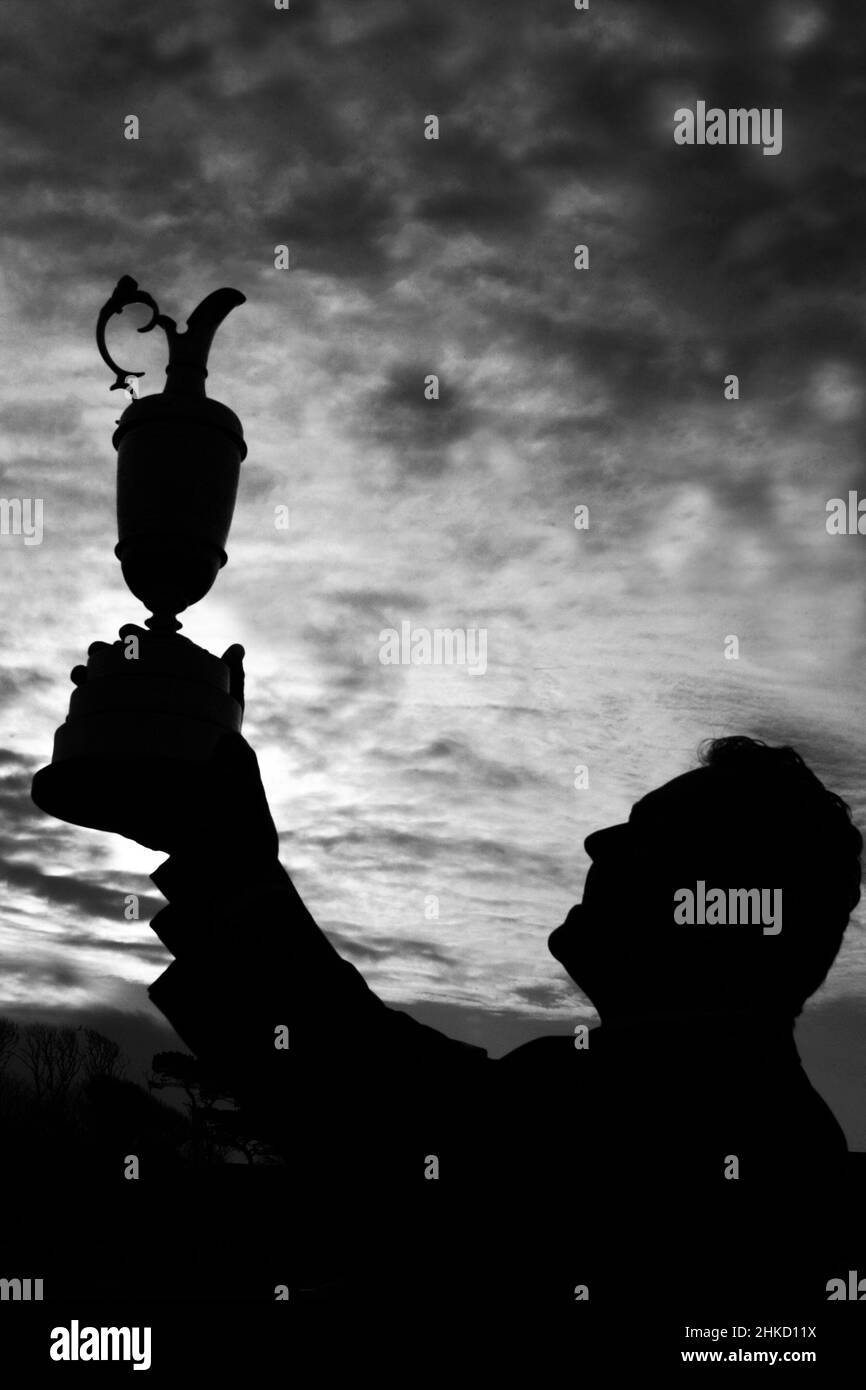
815	841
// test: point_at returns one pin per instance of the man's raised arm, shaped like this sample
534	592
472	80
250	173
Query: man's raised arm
255	984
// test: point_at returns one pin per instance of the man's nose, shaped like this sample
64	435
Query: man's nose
603	842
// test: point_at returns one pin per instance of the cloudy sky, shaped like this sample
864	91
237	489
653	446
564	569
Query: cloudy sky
558	388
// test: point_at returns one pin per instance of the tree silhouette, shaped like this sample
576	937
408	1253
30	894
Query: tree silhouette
65	1088
121	1117
203	1091
238	1133
103	1056
179	1070
216	1121
53	1058
9	1033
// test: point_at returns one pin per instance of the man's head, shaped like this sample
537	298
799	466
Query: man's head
750	817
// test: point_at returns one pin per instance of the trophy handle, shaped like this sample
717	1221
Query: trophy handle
125	292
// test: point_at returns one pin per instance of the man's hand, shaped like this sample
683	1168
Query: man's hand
219	808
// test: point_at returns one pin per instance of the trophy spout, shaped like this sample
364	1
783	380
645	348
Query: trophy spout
188	351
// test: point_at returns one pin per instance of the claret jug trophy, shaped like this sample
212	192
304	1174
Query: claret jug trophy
151	704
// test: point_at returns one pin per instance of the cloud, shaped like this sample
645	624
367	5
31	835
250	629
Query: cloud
418	430
85	897
378	947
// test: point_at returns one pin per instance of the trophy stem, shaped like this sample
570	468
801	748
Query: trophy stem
163	623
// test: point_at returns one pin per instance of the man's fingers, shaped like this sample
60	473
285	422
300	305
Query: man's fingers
233	656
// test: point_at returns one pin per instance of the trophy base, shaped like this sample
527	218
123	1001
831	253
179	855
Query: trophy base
135	734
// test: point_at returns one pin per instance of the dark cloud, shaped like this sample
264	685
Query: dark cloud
9	758
82	894
419	431
545	996
15	683
60	418
27	852
388	844
150	951
377	947
336	225
309	129
454	759
21	818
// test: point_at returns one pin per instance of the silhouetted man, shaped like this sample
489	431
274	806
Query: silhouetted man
682	1151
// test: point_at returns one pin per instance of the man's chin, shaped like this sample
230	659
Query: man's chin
563	939
571	944
556	942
